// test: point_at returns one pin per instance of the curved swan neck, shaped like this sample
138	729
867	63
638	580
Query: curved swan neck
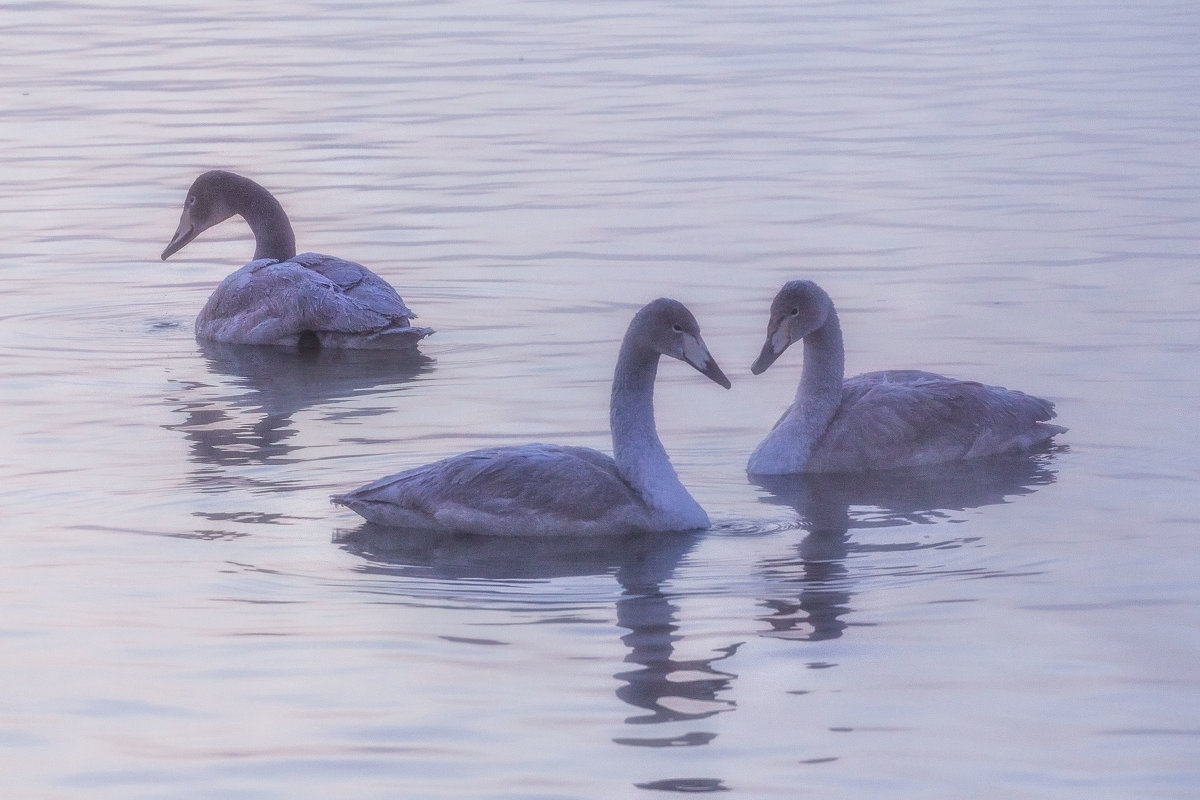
631	410
790	443
825	362
639	453
820	389
273	236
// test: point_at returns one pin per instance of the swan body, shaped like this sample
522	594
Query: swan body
880	420
281	298
552	490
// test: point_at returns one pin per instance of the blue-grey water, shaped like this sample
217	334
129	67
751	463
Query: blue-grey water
1003	191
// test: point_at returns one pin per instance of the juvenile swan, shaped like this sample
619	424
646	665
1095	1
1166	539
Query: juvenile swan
280	298
880	420
550	490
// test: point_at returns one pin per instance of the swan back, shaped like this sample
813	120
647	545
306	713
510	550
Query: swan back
341	303
526	490
910	418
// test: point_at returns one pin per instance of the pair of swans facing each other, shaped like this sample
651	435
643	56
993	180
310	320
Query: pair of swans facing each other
877	421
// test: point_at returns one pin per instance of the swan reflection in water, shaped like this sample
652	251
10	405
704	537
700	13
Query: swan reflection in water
812	588
664	687
245	416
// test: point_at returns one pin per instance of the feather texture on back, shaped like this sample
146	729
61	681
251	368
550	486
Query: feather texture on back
274	302
527	490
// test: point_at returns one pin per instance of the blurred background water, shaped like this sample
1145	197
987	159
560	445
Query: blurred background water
999	191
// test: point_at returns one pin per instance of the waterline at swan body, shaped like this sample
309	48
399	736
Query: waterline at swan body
281	298
553	490
880	420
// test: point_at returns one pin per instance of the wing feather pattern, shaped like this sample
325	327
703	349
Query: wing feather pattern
536	489
905	418
273	302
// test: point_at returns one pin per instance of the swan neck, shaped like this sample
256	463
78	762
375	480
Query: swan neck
636	445
640	456
792	442
820	389
273	236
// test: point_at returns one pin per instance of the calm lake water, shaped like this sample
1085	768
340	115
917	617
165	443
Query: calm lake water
1000	191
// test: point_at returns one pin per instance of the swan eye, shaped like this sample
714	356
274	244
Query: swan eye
795	311
677	328
191	201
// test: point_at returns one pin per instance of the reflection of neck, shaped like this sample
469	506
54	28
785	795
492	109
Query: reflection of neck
649	615
273	237
650	619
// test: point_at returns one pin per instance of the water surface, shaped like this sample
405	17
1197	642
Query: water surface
1000	192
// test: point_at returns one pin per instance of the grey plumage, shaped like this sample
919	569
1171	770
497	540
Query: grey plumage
281	298
526	490
880	420
551	490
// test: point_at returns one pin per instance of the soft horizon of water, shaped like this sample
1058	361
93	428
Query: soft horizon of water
999	192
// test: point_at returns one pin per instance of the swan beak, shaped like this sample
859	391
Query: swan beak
696	354
184	234
778	340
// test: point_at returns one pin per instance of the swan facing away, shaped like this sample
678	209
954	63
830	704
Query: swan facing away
281	298
880	420
548	490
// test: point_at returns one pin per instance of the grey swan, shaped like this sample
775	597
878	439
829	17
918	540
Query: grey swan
880	420
280	298
552	490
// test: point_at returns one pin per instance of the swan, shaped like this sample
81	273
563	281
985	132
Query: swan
880	420
281	298
546	489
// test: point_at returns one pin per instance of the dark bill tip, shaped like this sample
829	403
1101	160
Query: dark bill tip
714	373
765	359
182	236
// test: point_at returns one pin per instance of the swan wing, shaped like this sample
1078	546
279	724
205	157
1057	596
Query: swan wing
358	283
901	418
274	302
534	489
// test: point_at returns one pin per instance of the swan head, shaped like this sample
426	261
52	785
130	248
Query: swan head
208	203
800	308
666	327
